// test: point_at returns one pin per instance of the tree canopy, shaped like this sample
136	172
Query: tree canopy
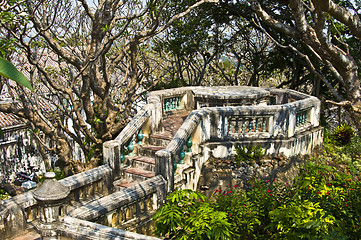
91	62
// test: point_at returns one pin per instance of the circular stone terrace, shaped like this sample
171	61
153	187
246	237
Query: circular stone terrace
228	92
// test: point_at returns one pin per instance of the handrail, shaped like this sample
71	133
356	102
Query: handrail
277	121
134	125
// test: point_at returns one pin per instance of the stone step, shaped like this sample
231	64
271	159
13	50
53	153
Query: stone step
174	122
137	175
121	184
149	150
141	162
160	139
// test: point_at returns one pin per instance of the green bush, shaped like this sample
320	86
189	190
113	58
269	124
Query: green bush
3	194
324	202
190	215
300	219
248	154
343	134
354	148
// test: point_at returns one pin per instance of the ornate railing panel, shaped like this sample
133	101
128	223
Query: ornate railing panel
172	103
247	124
302	117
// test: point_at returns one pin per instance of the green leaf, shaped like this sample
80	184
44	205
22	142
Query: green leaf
8	70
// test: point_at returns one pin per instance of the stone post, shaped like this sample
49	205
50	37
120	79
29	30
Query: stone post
164	166
111	156
51	196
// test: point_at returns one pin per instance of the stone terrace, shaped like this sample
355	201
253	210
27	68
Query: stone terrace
165	146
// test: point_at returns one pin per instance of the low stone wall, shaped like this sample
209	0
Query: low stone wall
126	206
225	174
17	212
288	126
74	228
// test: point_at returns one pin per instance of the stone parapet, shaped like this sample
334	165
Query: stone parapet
74	228
122	198
22	209
286	122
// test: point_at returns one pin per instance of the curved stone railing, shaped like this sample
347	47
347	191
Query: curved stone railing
289	126
18	211
127	206
284	122
147	120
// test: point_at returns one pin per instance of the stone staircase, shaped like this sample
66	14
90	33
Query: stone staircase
141	165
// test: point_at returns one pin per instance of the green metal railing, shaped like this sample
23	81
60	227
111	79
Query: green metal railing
301	118
272	101
172	103
247	124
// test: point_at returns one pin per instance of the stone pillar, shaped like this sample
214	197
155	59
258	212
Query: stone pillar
164	165
111	156
51	196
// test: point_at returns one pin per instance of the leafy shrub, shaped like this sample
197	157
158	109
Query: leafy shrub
324	202
343	134
354	148
3	194
190	215
248	153
59	174
300	219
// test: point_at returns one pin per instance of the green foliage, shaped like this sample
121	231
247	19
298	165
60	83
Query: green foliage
59	174
323	203
248	154
189	215
354	147
300	219
343	134
3	194
8	70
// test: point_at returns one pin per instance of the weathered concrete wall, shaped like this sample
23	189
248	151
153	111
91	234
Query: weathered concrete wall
288	127
17	212
224	174
18	153
127	208
74	228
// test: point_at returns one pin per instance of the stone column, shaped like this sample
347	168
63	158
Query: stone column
111	156
164	165
51	196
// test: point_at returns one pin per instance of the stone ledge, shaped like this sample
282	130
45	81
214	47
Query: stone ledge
118	199
279	143
79	229
87	177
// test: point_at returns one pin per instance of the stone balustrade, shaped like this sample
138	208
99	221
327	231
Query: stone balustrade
18	211
127	206
283	122
75	228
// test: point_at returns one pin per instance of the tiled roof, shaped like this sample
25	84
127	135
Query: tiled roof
10	90
8	120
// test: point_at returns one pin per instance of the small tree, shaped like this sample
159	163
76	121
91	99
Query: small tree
94	62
